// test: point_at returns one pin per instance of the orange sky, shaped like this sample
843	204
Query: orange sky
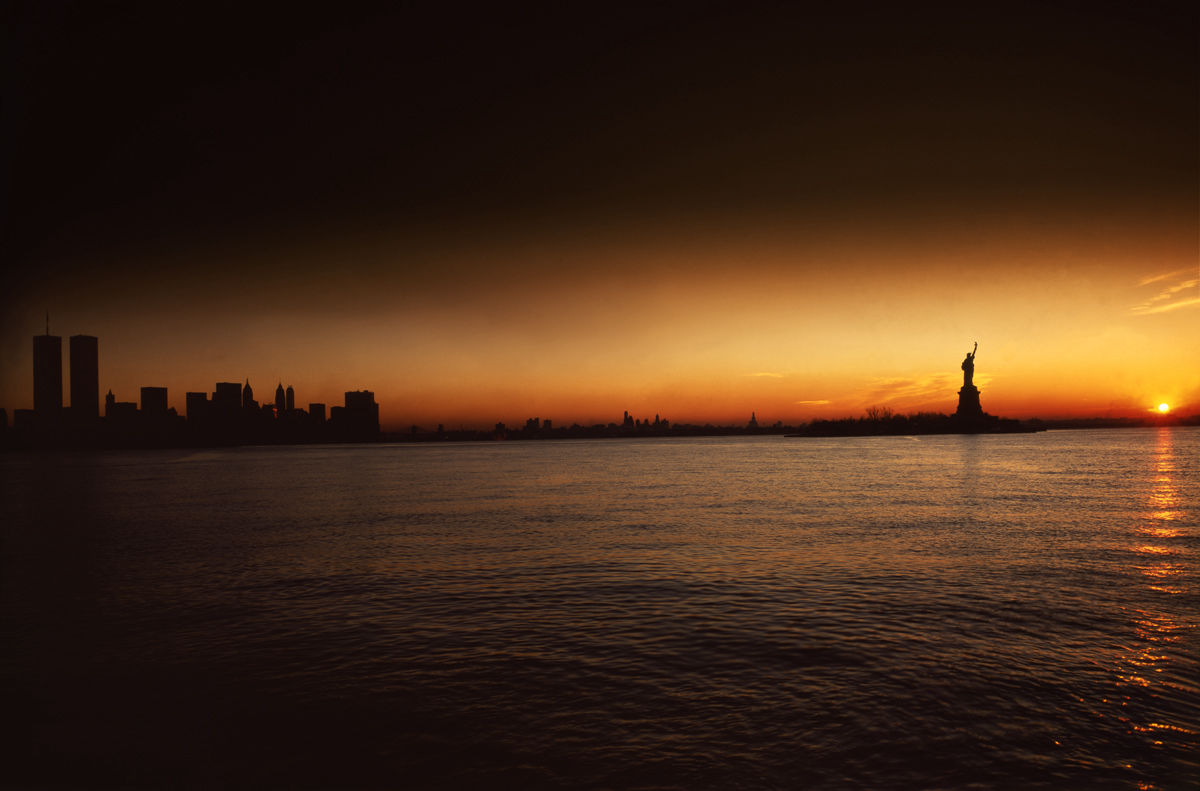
1079	317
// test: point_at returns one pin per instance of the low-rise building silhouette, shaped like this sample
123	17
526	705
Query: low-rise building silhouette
196	407
227	395
358	419
154	401
119	412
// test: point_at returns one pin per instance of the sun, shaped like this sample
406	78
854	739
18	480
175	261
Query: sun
1164	408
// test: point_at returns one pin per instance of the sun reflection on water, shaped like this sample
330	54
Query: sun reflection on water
1164	509
1165	568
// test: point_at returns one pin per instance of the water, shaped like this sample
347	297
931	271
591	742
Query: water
948	612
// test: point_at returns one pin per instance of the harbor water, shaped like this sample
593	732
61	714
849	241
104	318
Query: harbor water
1005	611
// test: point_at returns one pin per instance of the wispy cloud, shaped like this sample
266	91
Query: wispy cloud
917	389
1180	289
1183	303
820	402
1145	281
767	373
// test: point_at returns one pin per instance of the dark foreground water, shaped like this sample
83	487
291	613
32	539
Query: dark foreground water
949	612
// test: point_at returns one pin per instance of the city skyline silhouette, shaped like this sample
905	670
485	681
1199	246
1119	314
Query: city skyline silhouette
231	415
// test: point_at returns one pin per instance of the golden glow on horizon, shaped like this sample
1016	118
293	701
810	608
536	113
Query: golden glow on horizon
791	325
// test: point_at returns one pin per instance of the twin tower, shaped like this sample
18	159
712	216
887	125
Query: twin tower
48	381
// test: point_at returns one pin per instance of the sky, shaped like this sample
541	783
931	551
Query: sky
698	211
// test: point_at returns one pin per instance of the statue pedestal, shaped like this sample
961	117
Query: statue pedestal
968	403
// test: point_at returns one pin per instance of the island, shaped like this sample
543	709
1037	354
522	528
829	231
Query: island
968	418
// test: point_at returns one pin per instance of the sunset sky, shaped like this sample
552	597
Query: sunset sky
692	212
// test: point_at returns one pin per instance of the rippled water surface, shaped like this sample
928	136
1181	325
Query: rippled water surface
948	612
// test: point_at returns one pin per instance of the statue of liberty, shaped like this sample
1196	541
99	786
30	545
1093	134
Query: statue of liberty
968	366
968	397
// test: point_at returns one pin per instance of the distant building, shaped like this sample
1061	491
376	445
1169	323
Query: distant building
47	375
196	406
226	405
248	396
359	418
280	399
290	398
85	377
316	412
123	412
227	394
154	400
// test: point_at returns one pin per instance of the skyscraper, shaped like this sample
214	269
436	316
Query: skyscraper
47	374
85	377
280	401
291	398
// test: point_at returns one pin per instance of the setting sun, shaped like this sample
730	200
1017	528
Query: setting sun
1164	408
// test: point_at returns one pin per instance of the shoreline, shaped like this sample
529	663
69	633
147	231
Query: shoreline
850	428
